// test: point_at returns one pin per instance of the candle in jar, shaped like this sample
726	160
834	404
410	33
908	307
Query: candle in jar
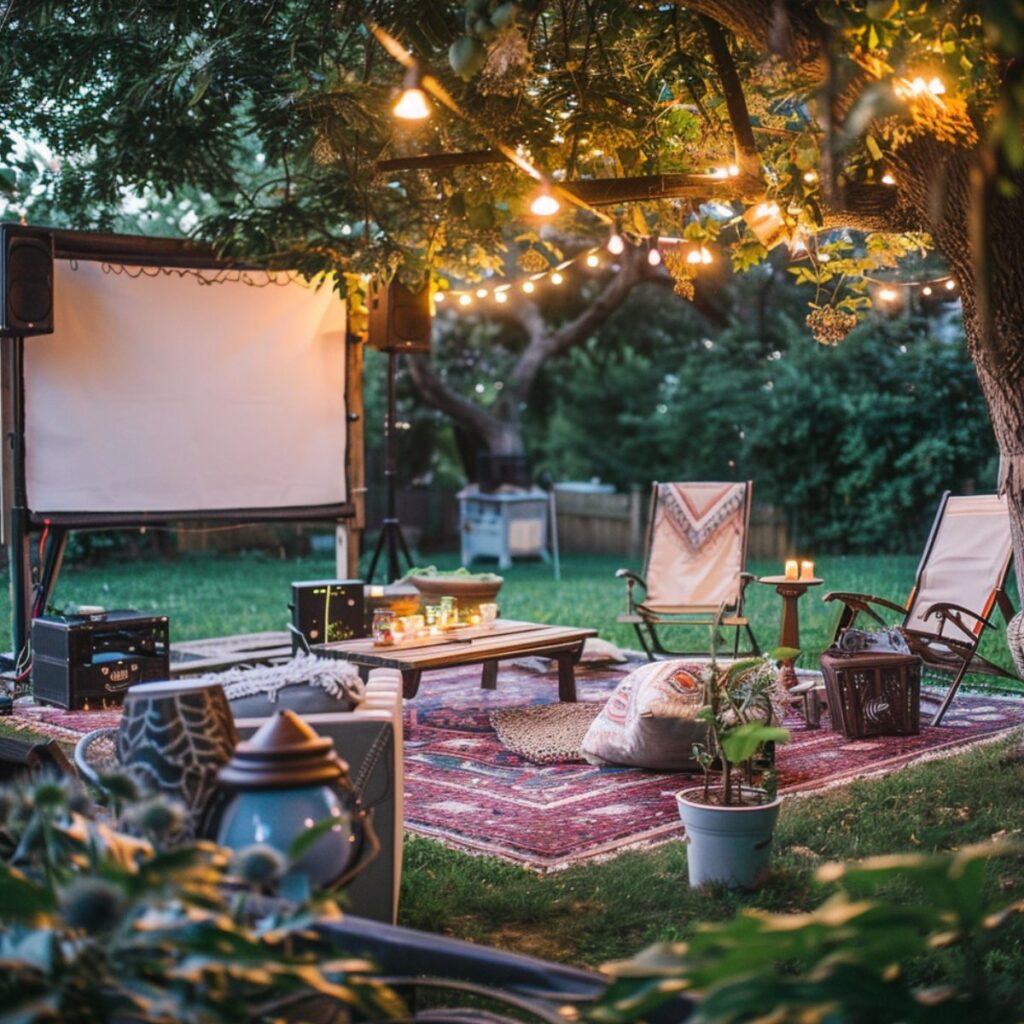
474	619
807	570
376	591
792	569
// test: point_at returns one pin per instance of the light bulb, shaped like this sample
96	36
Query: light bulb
616	244
950	284
918	86
810	177
528	287
439	296
926	290
412	105
888	179
544	204
481	293
693	256
887	294
500	297
705	255
593	260
654	256
936	87
464	300
733	170
556	278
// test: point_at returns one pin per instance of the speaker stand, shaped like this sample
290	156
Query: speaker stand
391	542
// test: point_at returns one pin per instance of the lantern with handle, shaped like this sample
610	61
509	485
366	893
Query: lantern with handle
287	781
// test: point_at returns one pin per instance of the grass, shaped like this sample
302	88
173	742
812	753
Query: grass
602	911
214	595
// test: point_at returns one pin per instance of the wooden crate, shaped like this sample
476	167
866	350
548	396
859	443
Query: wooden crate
873	694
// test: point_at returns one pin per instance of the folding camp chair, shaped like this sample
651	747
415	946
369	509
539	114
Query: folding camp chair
694	572
960	579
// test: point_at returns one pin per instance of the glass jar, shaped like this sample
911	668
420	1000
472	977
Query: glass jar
383	628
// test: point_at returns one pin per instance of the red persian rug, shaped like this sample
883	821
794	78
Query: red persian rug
464	789
470	793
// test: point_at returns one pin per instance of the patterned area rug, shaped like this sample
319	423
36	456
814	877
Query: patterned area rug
466	790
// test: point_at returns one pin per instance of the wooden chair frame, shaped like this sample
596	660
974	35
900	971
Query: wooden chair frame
954	655
728	616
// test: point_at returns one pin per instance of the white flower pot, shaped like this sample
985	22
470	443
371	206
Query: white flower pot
727	846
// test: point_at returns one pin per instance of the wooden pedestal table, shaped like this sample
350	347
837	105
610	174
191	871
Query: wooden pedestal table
470	645
789	636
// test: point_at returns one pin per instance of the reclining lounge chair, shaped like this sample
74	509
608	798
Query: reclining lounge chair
694	572
960	580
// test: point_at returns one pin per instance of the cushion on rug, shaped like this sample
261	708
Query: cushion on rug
306	685
545	733
648	721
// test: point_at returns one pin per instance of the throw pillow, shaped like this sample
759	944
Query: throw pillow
648	721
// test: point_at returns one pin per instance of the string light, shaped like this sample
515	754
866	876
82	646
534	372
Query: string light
439	296
810	177
950	284
616	243
413	104
528	287
653	252
593	260
500	297
888	294
464	300
544	204
926	290
556	278
888	179
481	293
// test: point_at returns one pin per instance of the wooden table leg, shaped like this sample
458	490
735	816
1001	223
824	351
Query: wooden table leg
567	675
489	676
410	683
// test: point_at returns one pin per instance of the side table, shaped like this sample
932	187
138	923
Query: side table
789	636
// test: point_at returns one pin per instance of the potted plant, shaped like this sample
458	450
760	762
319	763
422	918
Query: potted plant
470	589
729	825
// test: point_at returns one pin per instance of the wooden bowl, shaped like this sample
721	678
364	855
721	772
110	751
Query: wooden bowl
470	593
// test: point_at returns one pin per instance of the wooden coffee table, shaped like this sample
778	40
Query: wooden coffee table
470	645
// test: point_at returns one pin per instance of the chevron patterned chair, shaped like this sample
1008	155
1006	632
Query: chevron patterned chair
695	566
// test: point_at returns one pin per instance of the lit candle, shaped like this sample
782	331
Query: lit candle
792	569
474	619
807	570
376	591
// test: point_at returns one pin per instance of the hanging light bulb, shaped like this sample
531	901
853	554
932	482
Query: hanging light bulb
926	290
544	203
528	287
705	255
413	104
888	179
653	252
950	284
439	296
481	293
887	294
464	300
556	278
616	243
501	297
593	260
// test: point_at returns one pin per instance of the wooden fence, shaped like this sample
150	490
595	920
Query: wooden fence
615	524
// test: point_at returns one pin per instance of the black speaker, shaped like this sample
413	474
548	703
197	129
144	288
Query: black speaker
399	318
325	611
26	280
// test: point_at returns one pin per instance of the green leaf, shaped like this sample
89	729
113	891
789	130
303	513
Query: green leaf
743	742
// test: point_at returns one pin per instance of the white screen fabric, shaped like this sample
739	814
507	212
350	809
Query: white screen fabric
968	560
185	392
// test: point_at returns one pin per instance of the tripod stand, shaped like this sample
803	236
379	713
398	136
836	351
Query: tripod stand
390	540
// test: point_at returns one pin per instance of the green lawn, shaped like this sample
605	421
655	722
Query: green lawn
601	911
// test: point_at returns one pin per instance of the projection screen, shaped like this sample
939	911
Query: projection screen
193	393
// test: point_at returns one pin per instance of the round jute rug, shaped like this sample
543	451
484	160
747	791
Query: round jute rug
545	733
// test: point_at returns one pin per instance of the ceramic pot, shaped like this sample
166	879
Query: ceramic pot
728	846
468	592
174	738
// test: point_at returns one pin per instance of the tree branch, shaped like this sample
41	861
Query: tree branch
433	389
747	158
